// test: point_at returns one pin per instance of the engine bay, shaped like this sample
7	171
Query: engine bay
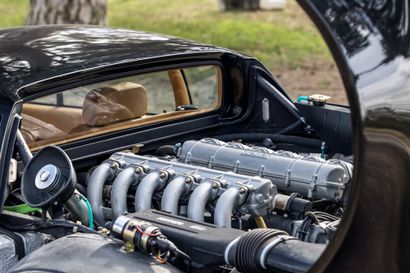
226	184
203	205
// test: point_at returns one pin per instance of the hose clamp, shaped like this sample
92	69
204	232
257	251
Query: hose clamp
228	248
279	239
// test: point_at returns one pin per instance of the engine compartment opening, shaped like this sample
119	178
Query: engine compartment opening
217	204
261	186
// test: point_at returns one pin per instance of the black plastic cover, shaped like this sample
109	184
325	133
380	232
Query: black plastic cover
204	243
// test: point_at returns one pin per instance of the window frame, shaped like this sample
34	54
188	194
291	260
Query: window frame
129	71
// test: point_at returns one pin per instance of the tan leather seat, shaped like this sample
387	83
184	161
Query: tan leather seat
115	103
108	105
34	129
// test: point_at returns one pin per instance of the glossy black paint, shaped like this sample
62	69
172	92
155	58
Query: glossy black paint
332	123
32	54
370	42
6	120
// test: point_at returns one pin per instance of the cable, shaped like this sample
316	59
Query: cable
314	217
50	224
304	227
323	216
90	210
145	233
294	125
21	208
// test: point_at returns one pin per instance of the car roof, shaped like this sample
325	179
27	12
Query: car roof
32	54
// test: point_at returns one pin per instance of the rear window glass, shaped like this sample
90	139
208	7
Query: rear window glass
121	103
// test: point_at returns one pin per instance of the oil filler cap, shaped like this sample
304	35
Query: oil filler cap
318	99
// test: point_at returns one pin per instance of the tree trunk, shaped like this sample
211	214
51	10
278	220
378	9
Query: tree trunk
227	5
49	12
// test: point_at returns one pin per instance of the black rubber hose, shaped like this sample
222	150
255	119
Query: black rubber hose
272	250
259	137
166	150
250	247
293	256
291	127
81	189
279	222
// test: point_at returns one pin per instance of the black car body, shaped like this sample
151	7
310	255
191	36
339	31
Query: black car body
369	41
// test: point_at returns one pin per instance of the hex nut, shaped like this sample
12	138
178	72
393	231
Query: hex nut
242	190
114	165
259	197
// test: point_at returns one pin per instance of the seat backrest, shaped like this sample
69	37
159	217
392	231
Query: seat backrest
107	105
34	129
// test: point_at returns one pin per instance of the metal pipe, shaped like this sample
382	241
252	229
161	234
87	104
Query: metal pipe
78	209
260	222
223	209
257	137
120	187
175	189
23	148
152	182
95	188
205	192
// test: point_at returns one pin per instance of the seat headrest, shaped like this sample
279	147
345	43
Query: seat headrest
114	103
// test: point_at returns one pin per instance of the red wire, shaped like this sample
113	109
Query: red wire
149	234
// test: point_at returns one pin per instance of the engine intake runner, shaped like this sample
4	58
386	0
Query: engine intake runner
228	192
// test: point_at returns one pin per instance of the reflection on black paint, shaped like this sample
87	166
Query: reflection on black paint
374	35
36	53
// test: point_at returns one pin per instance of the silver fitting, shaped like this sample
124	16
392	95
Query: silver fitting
138	170
243	190
215	185
188	180
163	175
114	165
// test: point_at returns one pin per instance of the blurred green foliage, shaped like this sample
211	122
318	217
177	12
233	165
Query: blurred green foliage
278	38
13	12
